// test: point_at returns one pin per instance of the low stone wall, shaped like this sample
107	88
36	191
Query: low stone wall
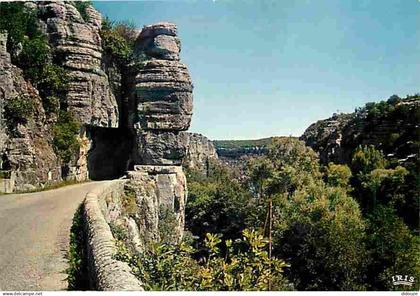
106	273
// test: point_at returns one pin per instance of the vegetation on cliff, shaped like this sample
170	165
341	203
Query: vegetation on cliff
31	52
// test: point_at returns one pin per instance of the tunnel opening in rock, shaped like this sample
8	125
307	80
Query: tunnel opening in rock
110	153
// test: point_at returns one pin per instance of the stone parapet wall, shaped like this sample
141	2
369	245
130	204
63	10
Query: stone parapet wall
106	273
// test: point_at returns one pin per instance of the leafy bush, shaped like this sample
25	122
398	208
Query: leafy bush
65	133
34	56
320	231
171	267
129	203
216	204
167	224
118	40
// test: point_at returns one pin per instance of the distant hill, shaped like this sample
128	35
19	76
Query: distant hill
235	149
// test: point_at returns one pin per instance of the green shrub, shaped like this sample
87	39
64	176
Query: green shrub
129	204
81	7
118	40
77	272
19	109
167	224
118	231
18	22
53	81
35	55
172	268
65	133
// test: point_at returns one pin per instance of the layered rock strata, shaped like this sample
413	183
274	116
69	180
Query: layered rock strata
163	110
163	97
77	47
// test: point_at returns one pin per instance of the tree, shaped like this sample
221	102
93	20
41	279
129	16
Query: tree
319	230
366	158
217	204
393	249
338	175
376	178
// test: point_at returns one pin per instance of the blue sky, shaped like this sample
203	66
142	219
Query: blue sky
271	67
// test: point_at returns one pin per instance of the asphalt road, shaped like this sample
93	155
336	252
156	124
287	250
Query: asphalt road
34	237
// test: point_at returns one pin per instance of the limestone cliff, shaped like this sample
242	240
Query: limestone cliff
133	118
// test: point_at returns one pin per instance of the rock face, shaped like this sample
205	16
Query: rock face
163	97
200	152
27	158
77	46
160	193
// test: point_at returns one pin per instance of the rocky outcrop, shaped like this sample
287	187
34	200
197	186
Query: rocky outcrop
77	47
394	130
200	152
163	97
27	158
160	193
326	136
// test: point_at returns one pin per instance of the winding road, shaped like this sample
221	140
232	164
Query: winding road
34	237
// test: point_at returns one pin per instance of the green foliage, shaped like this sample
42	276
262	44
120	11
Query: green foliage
118	231
167	224
65	133
321	231
118	40
18	22
238	144
216	204
338	175
318	228
19	109
81	7
171	267
34	56
366	159
394	250
31	52
77	273
129	203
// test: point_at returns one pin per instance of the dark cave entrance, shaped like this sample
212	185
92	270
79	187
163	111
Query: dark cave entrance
110	154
